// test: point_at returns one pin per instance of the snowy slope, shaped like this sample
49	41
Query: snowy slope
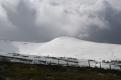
64	46
18	47
26	47
7	46
71	47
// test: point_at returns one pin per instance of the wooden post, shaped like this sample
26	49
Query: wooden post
77	64
50	62
110	66
58	61
100	65
67	63
95	64
45	62
120	67
89	63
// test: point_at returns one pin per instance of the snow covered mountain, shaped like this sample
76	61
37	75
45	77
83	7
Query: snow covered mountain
64	46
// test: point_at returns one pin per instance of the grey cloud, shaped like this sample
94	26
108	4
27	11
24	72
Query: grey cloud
26	29
112	32
44	20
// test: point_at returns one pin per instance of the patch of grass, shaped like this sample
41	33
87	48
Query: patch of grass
17	71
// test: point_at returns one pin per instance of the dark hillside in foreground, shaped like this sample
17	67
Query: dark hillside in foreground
16	71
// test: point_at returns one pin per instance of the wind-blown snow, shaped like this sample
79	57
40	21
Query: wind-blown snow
65	46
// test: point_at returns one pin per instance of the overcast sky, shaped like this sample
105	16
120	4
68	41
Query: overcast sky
44	20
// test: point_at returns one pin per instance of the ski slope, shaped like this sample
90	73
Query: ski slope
65	47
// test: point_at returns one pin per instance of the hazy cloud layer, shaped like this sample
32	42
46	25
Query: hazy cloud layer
43	20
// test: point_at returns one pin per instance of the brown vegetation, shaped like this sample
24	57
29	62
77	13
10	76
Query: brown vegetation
17	71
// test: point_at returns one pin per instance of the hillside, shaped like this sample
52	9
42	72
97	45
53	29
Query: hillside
16	71
64	46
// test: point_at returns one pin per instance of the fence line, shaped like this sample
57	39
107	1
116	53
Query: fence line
57	61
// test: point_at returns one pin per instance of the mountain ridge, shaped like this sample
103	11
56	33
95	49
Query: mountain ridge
64	47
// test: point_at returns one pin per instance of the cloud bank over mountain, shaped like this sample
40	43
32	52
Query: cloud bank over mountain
43	20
